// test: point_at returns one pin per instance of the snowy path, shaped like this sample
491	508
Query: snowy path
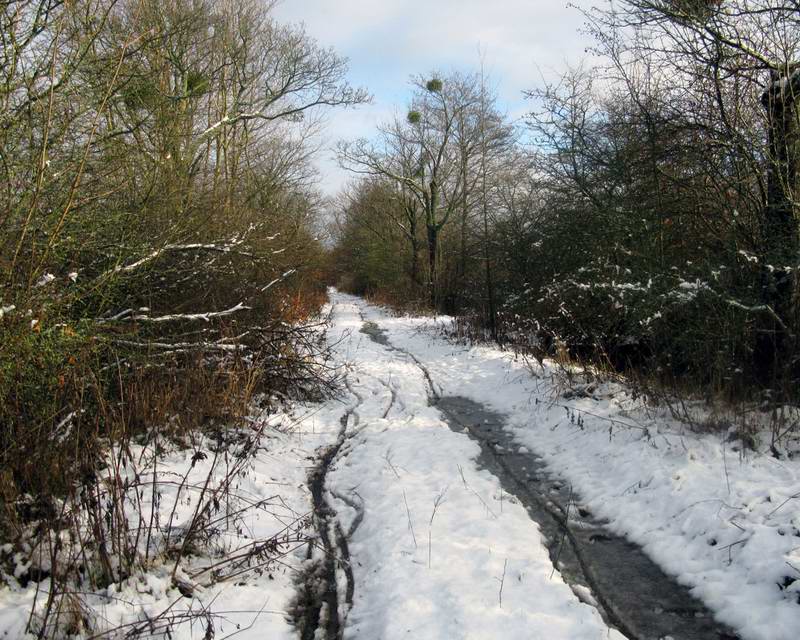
439	536
724	522
432	522
440	551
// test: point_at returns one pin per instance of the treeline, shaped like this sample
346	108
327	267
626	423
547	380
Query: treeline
644	214
158	226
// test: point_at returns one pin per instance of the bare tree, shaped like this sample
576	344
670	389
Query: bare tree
158	258
434	180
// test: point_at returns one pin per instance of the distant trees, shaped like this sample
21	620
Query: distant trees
373	253
418	154
432	158
652	220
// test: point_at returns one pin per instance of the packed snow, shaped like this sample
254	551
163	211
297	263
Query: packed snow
438	540
438	550
720	518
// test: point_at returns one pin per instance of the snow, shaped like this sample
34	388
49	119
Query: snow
253	605
46	279
722	520
436	534
438	550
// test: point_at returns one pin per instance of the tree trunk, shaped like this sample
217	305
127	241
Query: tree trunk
489	281
462	269
415	275
432	226
433	240
781	243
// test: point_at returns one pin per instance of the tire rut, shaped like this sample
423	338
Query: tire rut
320	606
632	593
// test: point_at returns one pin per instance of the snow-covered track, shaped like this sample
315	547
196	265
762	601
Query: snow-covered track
322	609
448	495
632	594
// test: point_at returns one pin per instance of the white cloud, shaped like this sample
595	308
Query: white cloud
389	40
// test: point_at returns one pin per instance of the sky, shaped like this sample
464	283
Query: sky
388	41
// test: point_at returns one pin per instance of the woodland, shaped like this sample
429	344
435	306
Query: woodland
166	251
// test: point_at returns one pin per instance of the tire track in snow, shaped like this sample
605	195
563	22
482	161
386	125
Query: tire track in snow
694	621
321	608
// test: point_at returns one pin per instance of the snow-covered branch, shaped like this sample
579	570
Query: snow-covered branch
179	347
760	308
156	253
205	317
129	315
277	280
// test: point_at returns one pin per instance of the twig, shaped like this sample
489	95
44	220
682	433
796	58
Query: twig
436	504
476	494
789	499
502	581
411	524
388	457
564	533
